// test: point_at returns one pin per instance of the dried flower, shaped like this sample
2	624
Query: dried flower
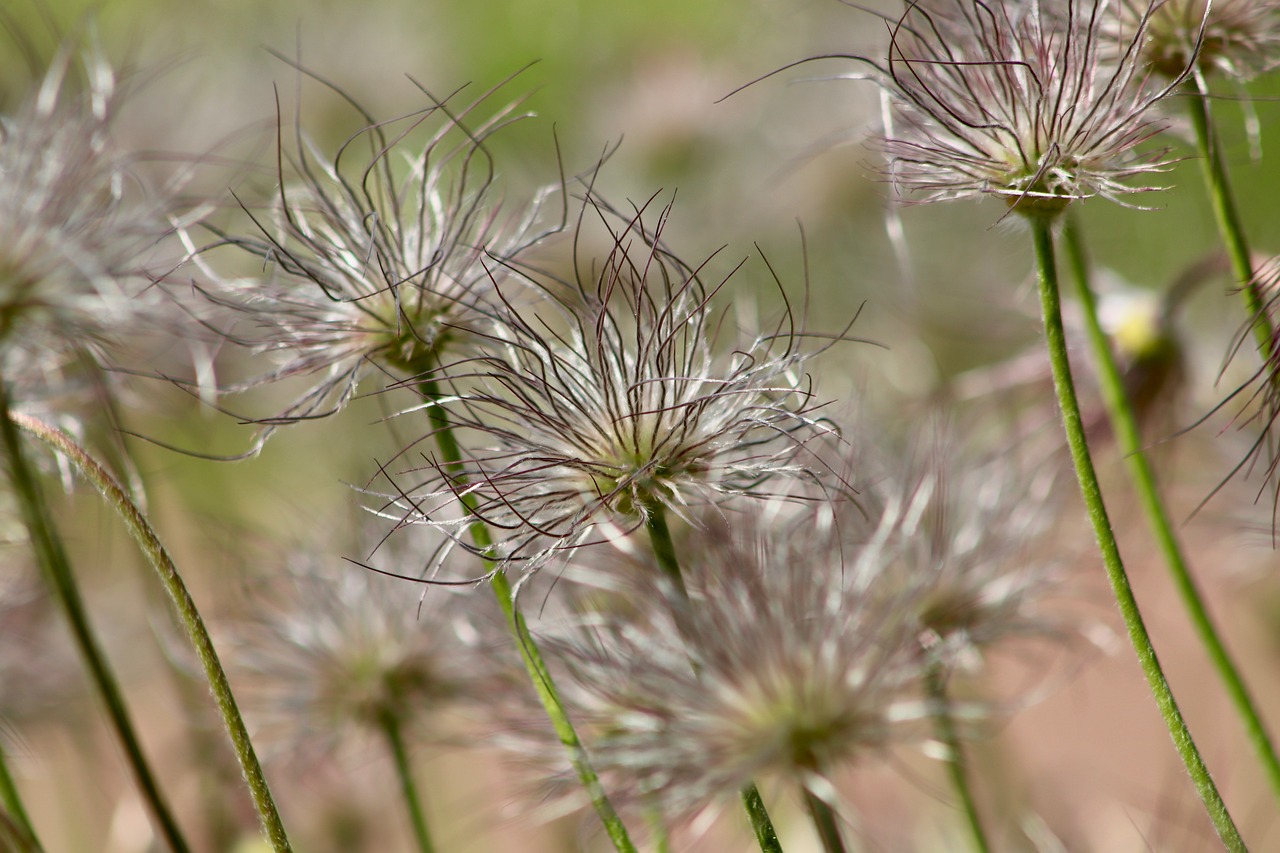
969	540
382	262
1023	101
74	220
1237	38
612	396
331	652
790	661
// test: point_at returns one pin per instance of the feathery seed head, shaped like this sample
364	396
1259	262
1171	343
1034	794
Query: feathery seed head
1237	38
383	258
614	395
330	653
74	219
963	538
789	661
1012	99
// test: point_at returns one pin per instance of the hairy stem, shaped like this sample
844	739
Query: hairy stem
664	549
451	456
957	767
188	615
53	561
1227	215
404	772
1129	439
1055	338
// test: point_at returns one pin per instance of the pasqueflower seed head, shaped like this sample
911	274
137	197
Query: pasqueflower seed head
614	395
331	653
967	540
1019	100
74	222
788	661
1236	38
382	258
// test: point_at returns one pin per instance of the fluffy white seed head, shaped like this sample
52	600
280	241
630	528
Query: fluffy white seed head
967	542
787	662
1236	38
381	258
1030	102
75	221
615	394
331	653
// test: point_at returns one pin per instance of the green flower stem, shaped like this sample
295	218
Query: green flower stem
12	804
53	562
1225	211
404	770
661	839
187	612
957	767
824	821
451	455
1130	441
1056	341
761	823
664	549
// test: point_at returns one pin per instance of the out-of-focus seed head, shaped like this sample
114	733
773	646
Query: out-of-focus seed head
1026	101
969	541
38	667
382	258
1237	38
75	219
614	395
330	652
789	660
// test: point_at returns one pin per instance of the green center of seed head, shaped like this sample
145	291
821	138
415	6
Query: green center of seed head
634	479
950	610
1037	196
809	730
1174	32
372	689
412	337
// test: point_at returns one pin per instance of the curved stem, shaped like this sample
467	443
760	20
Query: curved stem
17	814
1227	215
664	549
1056	341
1129	438
188	615
404	771
957	767
53	562
451	455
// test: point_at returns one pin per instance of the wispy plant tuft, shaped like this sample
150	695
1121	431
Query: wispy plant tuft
76	220
1020	102
618	392
381	259
791	658
1235	38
